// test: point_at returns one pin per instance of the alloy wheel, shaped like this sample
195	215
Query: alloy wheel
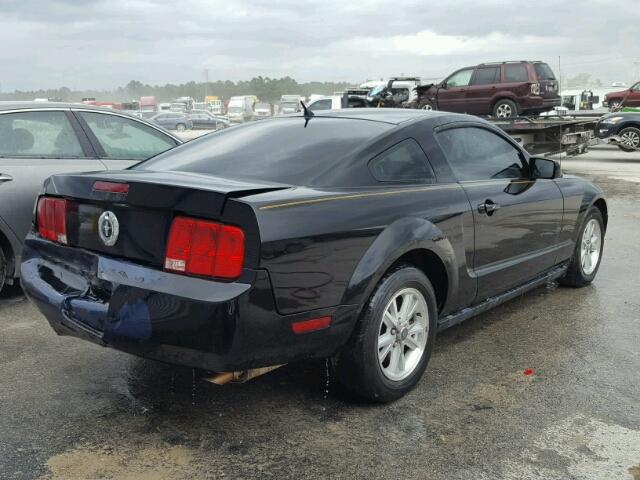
630	139
504	111
403	334
590	248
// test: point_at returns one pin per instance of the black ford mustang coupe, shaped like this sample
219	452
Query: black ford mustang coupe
353	235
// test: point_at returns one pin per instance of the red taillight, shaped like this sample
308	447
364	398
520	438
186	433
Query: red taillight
306	326
202	247
535	89
110	187
52	219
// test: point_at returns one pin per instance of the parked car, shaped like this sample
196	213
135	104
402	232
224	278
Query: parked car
179	121
203	119
623	98
327	236
42	139
504	90
263	110
621	128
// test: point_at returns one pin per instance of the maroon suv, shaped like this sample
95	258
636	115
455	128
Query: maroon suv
504	90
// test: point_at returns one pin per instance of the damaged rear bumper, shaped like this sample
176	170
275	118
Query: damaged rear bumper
172	318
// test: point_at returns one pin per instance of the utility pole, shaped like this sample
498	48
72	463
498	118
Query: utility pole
559	76
206	82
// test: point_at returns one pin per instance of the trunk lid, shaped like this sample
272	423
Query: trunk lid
144	214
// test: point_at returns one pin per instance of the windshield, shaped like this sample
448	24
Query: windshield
287	150
376	90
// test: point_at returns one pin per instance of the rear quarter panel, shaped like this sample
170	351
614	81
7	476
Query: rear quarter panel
325	248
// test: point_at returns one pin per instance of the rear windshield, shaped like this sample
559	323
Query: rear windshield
543	71
281	151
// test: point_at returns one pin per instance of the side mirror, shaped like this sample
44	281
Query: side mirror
544	168
443	85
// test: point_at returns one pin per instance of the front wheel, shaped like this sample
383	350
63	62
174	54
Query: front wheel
629	139
426	105
181	127
588	251
392	343
614	105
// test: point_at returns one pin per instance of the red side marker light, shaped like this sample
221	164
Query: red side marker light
527	372
306	326
110	187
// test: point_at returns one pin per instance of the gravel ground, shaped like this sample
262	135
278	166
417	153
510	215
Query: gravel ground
72	410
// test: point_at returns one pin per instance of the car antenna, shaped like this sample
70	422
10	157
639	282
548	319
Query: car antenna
307	113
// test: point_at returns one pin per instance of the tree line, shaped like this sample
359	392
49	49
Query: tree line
265	88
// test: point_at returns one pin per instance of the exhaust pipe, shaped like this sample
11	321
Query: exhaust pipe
242	376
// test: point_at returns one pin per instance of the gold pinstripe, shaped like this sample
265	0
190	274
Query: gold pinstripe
354	196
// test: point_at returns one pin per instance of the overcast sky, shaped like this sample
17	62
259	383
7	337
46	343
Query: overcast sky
104	44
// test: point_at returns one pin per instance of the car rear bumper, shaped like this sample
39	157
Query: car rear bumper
172	318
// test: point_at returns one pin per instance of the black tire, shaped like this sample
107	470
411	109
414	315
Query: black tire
426	105
632	135
3	269
614	105
181	127
576	276
357	367
505	108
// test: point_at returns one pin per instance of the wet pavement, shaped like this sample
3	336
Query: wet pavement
543	387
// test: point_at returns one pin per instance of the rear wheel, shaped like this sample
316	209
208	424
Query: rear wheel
181	127
588	251
392	343
505	109
629	139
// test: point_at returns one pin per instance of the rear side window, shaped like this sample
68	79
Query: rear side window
515	72
285	150
404	162
38	134
543	71
320	105
126	139
486	76
478	154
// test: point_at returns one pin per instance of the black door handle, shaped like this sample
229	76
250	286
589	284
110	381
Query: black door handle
488	207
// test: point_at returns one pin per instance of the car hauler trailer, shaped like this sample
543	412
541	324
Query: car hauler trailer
551	135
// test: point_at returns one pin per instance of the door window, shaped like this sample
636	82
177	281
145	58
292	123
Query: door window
478	154
124	138
460	79
516	72
486	76
38	134
404	162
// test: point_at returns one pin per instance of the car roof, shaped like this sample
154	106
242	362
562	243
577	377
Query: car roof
27	105
395	116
